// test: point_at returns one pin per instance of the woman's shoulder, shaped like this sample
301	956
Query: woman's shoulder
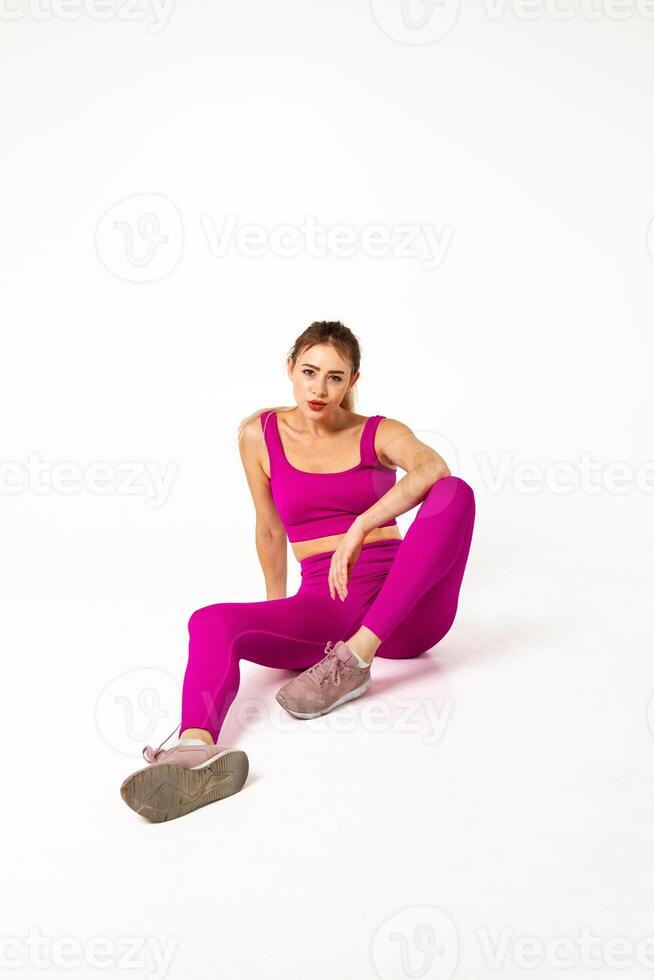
256	419
252	427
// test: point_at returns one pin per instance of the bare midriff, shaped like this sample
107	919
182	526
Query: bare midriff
303	549
315	546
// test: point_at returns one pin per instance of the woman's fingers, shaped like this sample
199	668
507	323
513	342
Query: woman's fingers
342	579
338	580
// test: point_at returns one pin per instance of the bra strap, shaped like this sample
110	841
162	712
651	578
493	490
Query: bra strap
271	436
368	454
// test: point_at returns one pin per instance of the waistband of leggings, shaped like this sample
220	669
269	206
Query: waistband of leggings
371	548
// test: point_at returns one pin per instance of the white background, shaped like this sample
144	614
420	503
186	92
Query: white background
530	139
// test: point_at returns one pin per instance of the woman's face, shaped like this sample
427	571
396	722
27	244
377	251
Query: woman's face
320	375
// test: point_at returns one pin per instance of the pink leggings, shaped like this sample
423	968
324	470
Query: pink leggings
406	591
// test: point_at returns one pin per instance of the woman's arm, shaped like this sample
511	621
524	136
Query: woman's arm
396	444
272	552
270	536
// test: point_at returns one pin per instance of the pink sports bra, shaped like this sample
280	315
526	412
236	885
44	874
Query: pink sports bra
314	505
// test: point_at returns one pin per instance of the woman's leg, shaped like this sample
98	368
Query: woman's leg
288	633
417	602
412	610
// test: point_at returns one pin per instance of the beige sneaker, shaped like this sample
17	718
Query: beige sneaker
186	776
335	679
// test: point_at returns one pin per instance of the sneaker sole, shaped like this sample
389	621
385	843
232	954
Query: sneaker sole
357	692
165	791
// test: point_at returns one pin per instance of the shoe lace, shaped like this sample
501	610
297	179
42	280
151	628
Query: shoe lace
330	667
150	754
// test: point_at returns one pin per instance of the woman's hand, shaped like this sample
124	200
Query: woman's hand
343	561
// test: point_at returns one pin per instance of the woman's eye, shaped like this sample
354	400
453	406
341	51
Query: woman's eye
335	377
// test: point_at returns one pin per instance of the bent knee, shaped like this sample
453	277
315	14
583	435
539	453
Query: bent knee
205	614
446	493
463	487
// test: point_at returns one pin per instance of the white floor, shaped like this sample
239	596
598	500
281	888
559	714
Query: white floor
474	806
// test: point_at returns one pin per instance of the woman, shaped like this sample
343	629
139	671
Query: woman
322	477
